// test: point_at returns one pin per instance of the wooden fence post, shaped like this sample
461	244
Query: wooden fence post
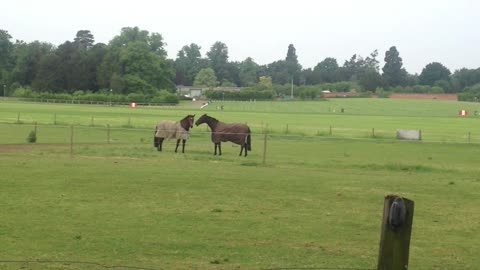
18	118
286	130
396	230
54	118
71	140
265	147
373	132
330	131
108	133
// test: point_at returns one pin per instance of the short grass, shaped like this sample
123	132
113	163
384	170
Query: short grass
318	206
316	202
362	118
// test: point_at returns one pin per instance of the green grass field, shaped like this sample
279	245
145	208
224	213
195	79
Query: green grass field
438	120
317	202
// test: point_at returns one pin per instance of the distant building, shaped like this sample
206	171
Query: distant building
195	92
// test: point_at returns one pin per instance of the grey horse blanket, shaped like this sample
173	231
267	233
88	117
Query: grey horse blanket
170	130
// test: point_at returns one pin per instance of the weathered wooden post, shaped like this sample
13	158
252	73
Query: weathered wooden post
71	140
396	230
54	118
265	146
330	131
373	132
108	133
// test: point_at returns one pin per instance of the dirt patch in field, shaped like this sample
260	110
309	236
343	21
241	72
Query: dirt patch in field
425	96
9	148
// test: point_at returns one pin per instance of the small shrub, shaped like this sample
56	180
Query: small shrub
32	137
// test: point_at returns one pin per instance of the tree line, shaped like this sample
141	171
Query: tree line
136	62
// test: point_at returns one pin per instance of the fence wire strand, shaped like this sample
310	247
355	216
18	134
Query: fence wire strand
79	262
150	268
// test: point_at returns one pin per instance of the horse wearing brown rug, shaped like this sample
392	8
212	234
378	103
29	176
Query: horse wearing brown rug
223	132
171	129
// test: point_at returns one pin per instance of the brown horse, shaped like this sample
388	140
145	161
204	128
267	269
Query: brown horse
170	129
222	132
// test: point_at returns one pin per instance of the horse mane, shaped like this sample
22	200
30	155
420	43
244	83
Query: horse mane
212	118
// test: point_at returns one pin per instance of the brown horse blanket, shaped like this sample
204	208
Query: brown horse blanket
236	133
171	129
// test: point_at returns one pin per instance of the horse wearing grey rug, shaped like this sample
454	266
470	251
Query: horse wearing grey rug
223	132
171	129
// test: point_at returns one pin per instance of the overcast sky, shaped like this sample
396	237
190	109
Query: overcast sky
423	31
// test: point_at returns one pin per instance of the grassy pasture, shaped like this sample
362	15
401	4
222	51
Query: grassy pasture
316	203
438	120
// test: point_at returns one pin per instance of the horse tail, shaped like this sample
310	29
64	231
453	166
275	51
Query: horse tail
155	140
249	141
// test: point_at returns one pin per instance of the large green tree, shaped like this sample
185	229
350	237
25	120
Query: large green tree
248	72
434	72
133	34
293	67
27	59
351	68
370	80
206	78
188	63
278	71
50	76
138	60
218	57
140	57
393	72
79	61
325	71
6	58
84	39
464	78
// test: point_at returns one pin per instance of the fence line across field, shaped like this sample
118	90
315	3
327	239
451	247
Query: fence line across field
327	132
287	128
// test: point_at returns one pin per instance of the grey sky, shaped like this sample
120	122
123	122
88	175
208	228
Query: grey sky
423	31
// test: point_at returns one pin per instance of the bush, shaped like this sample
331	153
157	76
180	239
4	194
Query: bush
32	137
471	93
23	92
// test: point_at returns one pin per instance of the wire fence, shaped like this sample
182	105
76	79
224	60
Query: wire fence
92	102
266	147
41	264
95	132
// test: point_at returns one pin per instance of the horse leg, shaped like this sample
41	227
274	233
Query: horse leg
215	153
159	142
246	148
241	150
178	142
219	149
183	146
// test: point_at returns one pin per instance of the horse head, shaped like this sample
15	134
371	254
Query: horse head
201	120
187	122
191	119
